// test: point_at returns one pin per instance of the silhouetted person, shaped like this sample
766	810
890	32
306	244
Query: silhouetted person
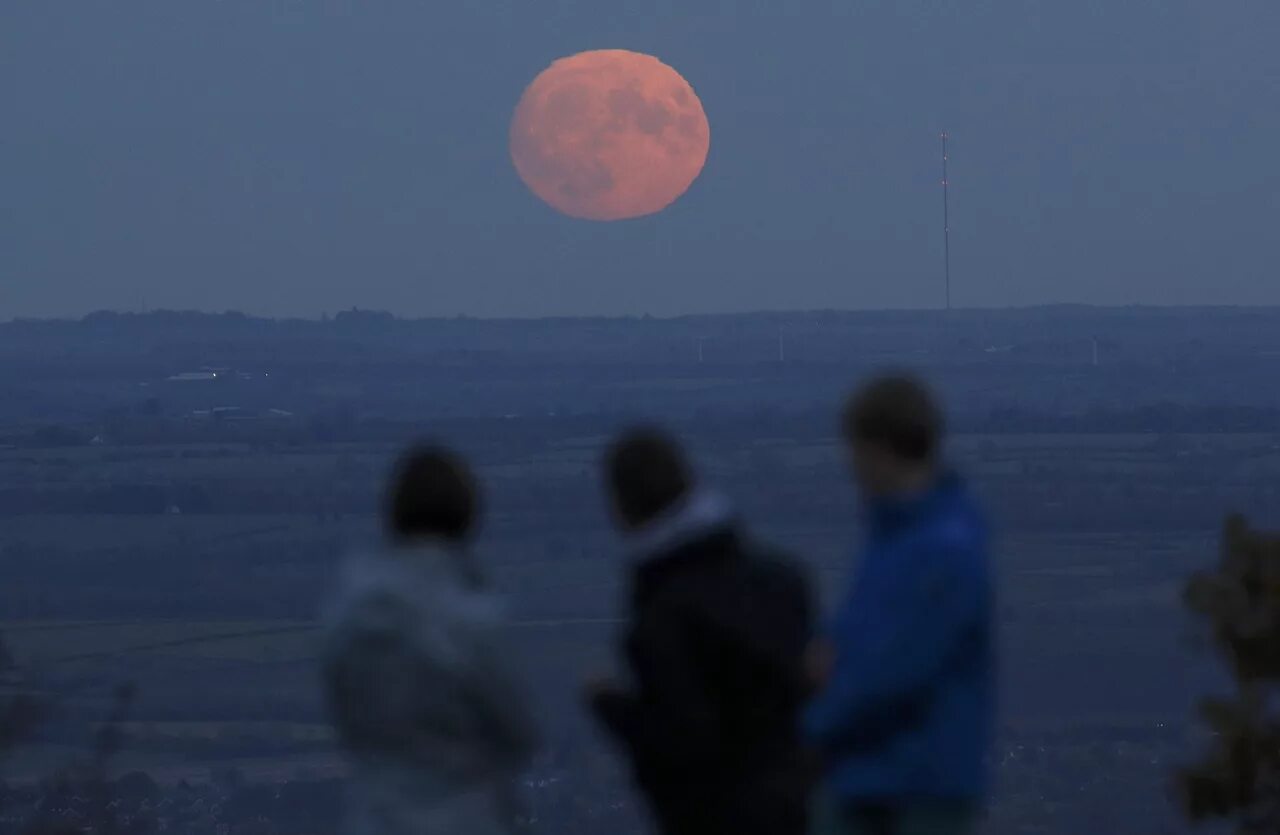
429	713
904	719
714	648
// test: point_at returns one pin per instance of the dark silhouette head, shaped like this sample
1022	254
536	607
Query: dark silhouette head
647	474
433	495
894	429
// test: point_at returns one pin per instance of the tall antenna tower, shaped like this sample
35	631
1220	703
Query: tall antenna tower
946	224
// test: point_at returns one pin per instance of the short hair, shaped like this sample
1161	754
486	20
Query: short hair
896	412
433	493
647	472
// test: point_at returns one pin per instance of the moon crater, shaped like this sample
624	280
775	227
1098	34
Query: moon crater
609	135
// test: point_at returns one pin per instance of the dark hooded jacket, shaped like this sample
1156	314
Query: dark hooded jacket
714	645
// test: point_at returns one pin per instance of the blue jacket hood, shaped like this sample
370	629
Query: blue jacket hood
888	513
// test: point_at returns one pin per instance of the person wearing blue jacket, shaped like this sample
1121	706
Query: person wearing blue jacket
903	715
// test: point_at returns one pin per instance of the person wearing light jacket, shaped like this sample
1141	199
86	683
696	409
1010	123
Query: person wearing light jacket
433	720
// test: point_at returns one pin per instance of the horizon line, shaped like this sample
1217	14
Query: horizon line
927	312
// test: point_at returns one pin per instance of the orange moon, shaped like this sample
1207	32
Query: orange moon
609	135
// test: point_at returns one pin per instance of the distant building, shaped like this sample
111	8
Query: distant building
193	376
239	413
216	373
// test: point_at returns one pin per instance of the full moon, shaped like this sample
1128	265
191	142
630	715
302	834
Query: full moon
609	135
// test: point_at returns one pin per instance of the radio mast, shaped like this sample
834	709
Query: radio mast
946	225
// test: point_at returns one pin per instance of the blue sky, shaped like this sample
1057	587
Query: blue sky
292	158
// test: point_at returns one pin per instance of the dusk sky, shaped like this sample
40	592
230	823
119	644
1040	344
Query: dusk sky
294	157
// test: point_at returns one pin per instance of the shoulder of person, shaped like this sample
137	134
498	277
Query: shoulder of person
484	612
952	546
375	612
773	566
959	528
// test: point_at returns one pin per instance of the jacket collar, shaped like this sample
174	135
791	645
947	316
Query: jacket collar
698	515
887	513
404	568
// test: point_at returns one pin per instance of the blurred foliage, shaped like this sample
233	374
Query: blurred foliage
81	797
20	711
1238	778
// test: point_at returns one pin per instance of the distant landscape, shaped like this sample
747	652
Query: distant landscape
177	490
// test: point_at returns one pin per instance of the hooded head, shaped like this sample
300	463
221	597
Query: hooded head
433	496
647	476
657	502
893	430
